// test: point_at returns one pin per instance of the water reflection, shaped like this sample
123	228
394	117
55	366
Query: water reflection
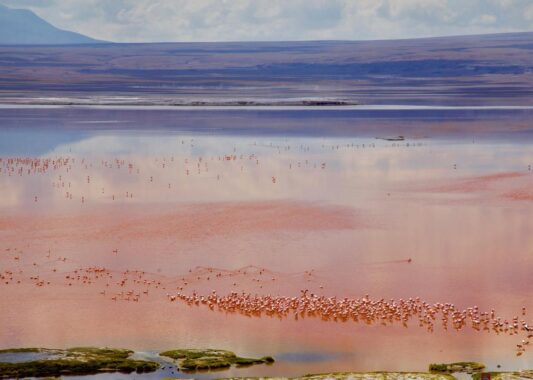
392	219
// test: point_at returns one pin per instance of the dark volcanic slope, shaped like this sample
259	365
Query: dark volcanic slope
21	26
474	70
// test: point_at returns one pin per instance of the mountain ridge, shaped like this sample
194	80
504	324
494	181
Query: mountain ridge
23	27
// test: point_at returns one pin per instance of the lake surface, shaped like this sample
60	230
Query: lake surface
312	199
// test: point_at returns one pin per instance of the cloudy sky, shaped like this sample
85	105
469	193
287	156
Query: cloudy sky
245	20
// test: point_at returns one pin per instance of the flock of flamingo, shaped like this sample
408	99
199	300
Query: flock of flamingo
134	285
365	310
72	172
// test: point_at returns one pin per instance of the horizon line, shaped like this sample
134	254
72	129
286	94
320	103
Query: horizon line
104	42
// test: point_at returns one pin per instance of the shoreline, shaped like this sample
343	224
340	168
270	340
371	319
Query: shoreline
90	362
252	107
173	364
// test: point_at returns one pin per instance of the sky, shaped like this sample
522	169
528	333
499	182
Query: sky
276	20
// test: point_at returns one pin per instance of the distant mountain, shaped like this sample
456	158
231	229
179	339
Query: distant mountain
23	27
478	70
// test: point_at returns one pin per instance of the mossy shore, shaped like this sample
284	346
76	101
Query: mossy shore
79	361
515	375
358	376
189	360
73	361
468	367
528	374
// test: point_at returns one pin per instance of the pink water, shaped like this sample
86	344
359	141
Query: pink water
444	220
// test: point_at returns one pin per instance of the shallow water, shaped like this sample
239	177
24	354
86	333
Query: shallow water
442	215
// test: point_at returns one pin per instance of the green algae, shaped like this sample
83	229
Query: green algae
245	362
359	376
380	376
514	375
190	360
468	367
21	350
75	361
90	360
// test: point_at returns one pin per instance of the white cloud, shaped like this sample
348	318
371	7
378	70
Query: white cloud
226	20
484	19
528	13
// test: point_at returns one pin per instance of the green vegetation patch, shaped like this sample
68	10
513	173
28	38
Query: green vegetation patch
379	376
20	350
75	361
517	375
468	367
363	376
209	359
